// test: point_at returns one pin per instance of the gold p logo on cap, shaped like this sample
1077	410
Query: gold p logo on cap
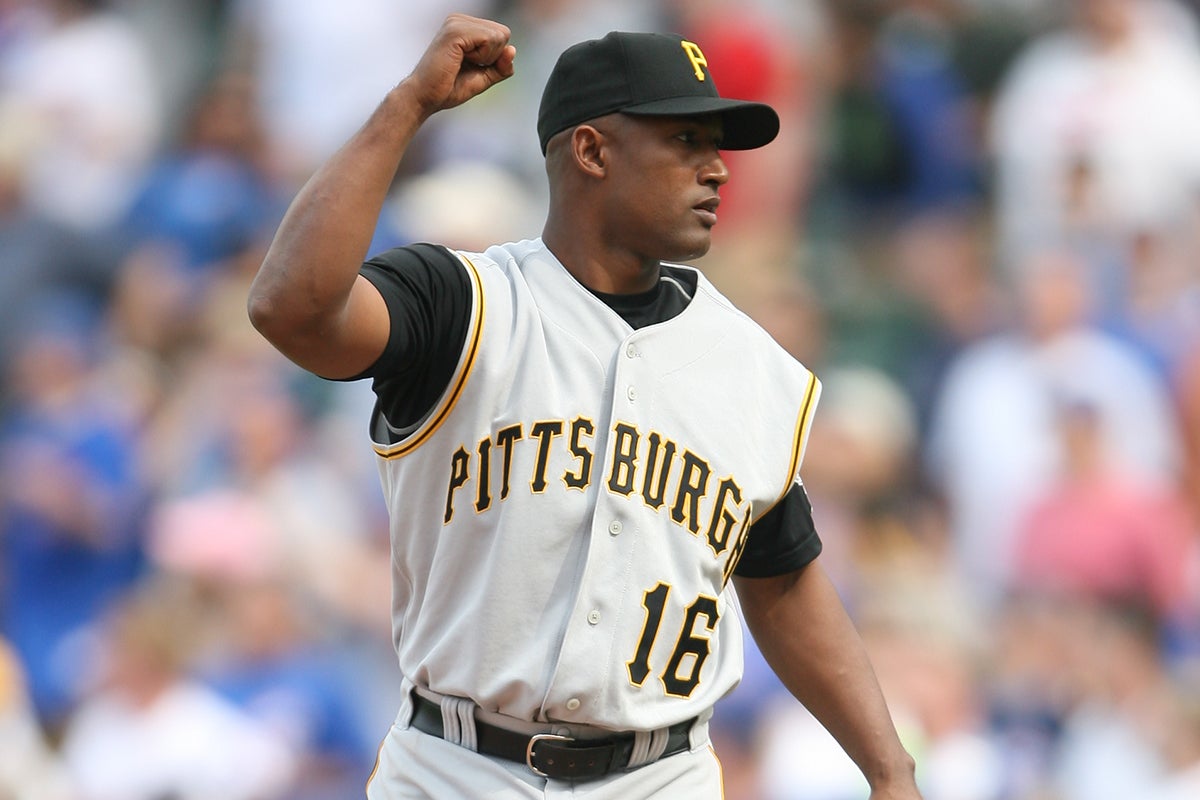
696	57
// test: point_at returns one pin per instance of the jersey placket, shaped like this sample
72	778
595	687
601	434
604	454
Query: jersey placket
599	624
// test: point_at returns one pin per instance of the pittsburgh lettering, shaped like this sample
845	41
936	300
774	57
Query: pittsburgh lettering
668	477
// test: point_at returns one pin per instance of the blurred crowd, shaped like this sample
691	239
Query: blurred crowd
980	227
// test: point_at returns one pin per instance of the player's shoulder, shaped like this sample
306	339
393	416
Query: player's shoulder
758	353
737	320
504	256
447	261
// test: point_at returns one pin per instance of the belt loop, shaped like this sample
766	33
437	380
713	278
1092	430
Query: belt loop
404	714
648	746
458	722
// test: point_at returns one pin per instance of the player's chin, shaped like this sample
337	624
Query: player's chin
690	242
695	247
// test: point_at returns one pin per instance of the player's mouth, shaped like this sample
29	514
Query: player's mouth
707	211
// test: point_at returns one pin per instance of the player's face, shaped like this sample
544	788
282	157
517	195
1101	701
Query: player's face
665	176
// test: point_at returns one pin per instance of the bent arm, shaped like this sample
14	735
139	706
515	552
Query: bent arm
308	298
805	634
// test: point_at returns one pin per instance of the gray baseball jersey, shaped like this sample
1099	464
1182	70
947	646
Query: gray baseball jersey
570	504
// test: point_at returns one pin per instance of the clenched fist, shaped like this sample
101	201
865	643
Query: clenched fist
466	57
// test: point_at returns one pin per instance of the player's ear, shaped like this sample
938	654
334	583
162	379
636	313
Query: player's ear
589	150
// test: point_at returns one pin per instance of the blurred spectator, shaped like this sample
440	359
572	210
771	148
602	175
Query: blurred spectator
1030	685
89	86
277	667
1162	316
429	207
900	138
37	254
147	732
926	651
230	426
988	35
1109	744
208	197
153	319
1101	119
800	761
940	263
20	22
1180	742
1187	393
992	445
182	38
320	66
29	767
927	646
1101	533
1157	307
861	448
269	525
313	530
71	500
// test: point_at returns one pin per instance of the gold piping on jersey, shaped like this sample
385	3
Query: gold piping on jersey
720	770
800	438
375	769
459	382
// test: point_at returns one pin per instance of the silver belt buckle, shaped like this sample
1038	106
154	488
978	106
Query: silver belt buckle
533	740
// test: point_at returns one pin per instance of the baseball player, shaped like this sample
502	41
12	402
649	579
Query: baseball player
584	447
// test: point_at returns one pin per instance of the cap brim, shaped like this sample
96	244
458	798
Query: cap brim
747	125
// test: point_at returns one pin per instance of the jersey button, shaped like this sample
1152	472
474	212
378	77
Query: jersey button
615	527
573	704
593	617
631	351
631	393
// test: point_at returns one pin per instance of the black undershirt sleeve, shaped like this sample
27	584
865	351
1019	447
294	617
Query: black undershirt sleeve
428	295
783	540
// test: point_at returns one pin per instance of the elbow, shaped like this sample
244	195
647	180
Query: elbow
271	302
271	315
287	324
262	312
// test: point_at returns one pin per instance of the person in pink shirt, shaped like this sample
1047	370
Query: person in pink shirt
1100	532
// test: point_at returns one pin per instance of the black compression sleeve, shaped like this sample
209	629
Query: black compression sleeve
428	295
783	540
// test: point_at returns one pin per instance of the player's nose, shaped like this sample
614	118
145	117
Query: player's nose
714	172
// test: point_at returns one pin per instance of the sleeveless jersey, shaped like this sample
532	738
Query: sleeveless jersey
566	519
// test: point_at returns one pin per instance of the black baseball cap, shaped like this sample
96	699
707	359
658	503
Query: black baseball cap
650	74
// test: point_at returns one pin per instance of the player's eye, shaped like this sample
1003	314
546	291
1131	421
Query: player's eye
694	137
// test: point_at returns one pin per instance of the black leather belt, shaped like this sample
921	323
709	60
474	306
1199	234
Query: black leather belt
550	755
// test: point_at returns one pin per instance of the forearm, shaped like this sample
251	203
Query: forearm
803	631
308	299
314	259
